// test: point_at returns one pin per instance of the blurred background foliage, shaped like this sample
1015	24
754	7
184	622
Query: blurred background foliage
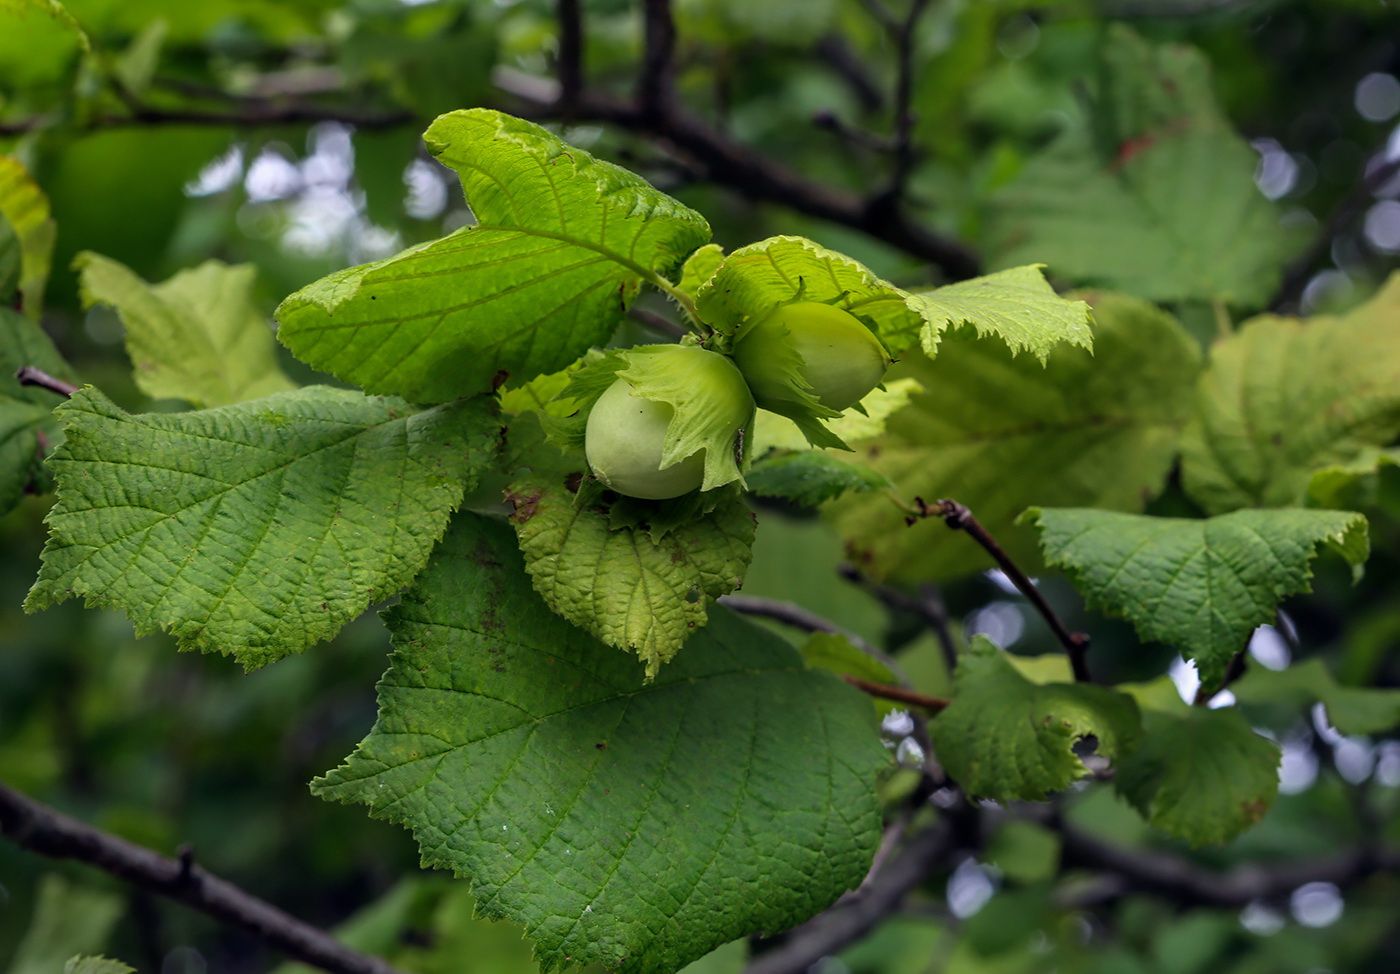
285	133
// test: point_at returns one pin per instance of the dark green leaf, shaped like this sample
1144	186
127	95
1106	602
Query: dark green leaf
1201	586
1004	738
1203	776
633	823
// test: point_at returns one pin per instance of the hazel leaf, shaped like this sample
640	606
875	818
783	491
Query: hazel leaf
560	248
615	818
259	528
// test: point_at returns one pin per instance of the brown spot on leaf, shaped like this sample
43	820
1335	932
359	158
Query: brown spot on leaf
525	504
499	379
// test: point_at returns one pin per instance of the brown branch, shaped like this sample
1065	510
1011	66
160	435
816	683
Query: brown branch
958	517
799	618
29	375
727	163
857	914
34	826
884	691
1352	205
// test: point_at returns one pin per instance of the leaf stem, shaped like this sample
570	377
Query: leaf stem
959	518
1223	325
898	694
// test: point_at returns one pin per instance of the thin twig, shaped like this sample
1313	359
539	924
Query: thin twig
1351	206
799	618
897	694
725	162
29	375
34	826
958	517
928	606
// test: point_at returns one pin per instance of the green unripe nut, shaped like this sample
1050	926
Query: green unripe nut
625	437
842	360
623	442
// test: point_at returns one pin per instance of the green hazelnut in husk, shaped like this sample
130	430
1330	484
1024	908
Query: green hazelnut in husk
842	360
625	439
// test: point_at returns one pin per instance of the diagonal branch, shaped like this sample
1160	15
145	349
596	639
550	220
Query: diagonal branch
959	518
727	163
34	826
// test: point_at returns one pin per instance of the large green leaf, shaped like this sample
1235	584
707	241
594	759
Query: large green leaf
1200	775
28	429
638	824
1000	433
1352	710
259	528
1004	737
25	211
1283	398
1152	193
632	588
198	336
561	246
1201	586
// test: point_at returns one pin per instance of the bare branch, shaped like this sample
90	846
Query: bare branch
727	163
799	618
34	826
958	517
